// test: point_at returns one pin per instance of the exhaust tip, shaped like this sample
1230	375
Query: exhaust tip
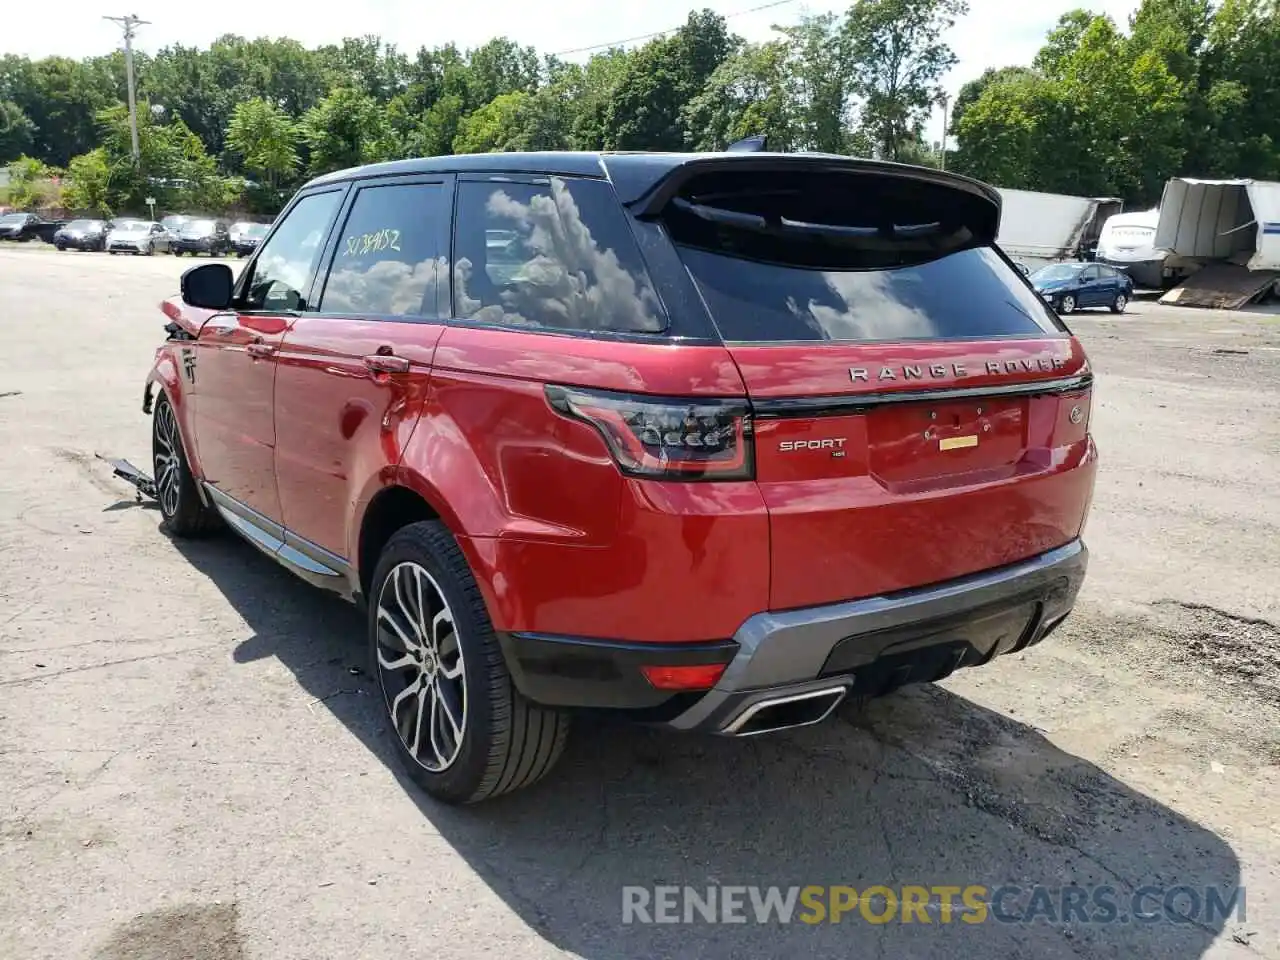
786	712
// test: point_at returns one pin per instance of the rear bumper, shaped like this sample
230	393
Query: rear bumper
814	657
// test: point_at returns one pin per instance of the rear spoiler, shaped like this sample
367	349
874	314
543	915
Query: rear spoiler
647	198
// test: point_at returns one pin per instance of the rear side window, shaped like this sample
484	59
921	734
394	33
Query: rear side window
848	257
553	254
388	259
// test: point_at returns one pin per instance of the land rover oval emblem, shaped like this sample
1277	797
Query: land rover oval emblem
1076	414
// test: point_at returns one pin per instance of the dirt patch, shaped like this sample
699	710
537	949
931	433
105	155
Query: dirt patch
193	931
1244	652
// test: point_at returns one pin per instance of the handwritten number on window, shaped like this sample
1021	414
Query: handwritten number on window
372	243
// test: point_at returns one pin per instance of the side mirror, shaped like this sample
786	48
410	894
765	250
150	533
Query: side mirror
208	286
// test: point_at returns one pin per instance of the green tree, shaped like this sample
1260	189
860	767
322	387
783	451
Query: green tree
822	80
644	108
267	138
899	58
88	184
346	129
492	127
17	132
750	93
30	185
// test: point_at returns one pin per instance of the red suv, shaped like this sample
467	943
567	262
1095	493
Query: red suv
715	440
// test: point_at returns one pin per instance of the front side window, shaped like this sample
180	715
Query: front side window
285	263
387	260
555	254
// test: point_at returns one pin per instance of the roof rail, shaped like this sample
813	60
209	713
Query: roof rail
754	144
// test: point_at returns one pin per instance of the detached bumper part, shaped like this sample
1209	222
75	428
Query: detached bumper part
793	668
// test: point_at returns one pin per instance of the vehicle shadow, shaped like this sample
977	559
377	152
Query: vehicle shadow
923	788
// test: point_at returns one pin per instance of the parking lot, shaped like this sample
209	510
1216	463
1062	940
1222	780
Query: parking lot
192	763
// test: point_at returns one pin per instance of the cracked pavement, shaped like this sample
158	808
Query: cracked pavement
192	763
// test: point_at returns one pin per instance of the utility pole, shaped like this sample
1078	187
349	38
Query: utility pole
945	101
128	22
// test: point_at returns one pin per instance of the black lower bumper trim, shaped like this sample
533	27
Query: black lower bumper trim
559	671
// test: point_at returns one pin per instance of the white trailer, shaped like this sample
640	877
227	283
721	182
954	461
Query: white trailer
1236	220
1128	243
1222	234
1044	228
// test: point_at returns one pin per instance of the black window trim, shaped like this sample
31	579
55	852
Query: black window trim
663	336
444	240
242	282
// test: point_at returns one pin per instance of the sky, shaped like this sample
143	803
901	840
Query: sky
995	33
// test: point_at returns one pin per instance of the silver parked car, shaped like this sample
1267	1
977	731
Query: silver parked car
137	236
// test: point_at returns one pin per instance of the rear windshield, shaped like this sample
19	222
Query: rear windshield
792	257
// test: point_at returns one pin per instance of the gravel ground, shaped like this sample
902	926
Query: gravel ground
191	764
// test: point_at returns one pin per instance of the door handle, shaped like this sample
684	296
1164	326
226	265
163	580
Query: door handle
386	363
260	350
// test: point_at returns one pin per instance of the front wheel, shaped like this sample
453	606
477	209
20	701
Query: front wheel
177	253
180	505
1067	305
1120	302
460	728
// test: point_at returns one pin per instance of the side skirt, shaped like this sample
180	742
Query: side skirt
312	563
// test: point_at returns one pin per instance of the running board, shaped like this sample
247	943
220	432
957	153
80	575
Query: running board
127	472
308	561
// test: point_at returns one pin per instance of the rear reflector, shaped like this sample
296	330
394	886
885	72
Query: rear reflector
701	676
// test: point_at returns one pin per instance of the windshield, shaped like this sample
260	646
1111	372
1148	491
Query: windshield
84	224
13	218
173	222
257	230
1059	271
129	226
199	226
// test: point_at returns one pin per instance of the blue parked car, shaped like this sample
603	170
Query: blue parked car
1069	287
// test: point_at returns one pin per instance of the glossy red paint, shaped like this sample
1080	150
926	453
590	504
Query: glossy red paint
562	543
916	492
339	422
233	380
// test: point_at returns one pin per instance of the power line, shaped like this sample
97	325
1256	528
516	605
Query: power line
658	33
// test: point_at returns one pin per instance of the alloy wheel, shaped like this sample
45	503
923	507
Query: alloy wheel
1121	303
1068	304
168	461
420	666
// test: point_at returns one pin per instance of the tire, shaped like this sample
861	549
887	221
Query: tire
1067	305
185	515
1120	302
151	249
60	247
505	742
177	253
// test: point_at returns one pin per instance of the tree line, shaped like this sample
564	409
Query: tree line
1186	87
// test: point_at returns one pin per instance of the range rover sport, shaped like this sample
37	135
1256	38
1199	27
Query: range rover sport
716	440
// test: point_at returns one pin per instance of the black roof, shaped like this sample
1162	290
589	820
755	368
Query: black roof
633	174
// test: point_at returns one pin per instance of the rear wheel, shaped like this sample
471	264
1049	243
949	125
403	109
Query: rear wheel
180	504
1120	302
461	729
1067	305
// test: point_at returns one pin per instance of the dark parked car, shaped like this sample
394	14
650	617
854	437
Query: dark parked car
245	237
1071	286
28	226
202	236
82	235
710	440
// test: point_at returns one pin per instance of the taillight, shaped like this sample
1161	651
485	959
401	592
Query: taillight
668	438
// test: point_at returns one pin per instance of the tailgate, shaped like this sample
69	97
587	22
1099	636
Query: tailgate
919	413
889	486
